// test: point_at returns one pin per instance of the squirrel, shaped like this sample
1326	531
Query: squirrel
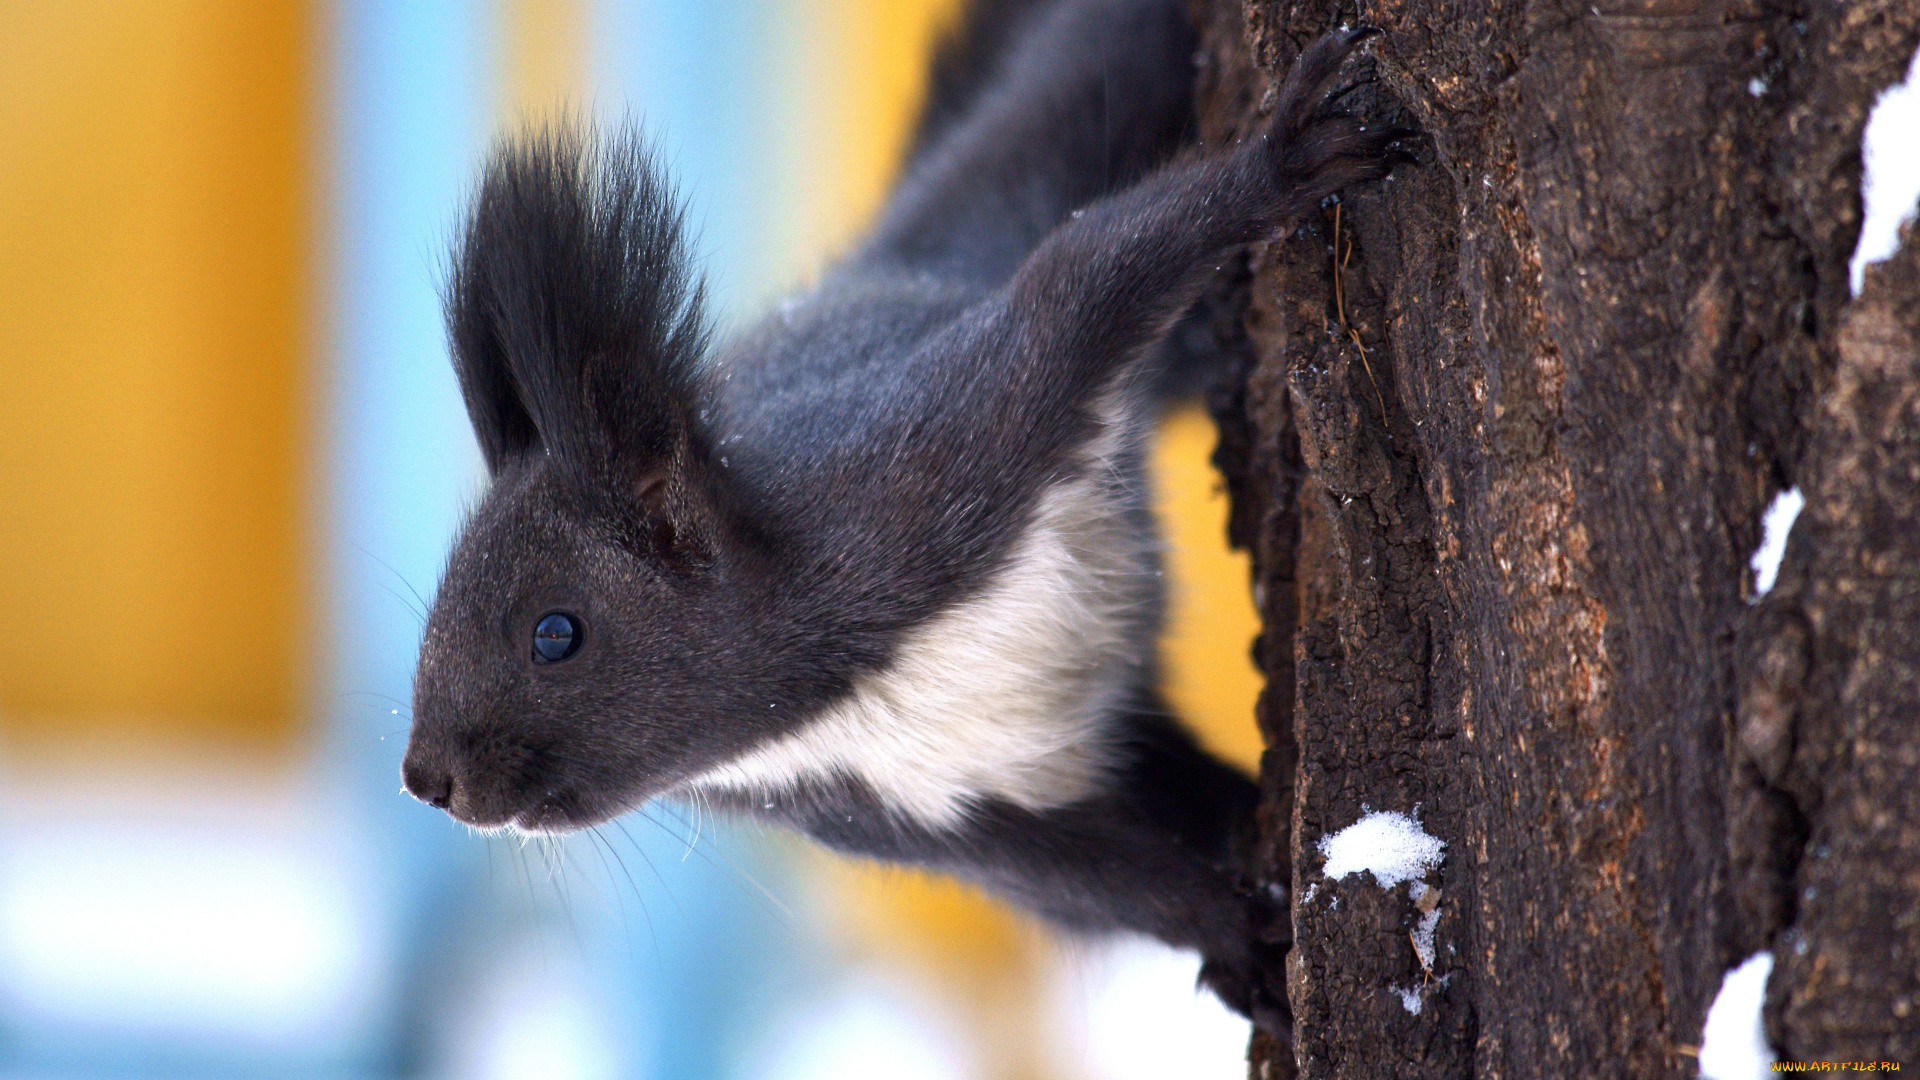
880	568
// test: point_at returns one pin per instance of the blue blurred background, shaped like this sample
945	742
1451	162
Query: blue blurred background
234	455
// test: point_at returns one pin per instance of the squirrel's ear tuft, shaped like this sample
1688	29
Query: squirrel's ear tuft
574	309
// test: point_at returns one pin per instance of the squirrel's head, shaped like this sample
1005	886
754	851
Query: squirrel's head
575	658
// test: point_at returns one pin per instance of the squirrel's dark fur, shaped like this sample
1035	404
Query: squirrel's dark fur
881	568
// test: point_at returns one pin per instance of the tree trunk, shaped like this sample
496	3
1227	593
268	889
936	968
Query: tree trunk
1504	430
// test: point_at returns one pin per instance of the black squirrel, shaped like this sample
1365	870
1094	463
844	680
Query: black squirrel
882	567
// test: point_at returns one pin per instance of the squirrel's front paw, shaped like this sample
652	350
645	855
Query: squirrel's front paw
1253	984
1314	152
1249	972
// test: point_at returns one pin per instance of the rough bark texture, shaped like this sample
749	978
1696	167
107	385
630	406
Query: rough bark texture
1505	429
1827	749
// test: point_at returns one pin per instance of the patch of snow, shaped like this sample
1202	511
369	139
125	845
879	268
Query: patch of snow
1773	543
1890	179
1423	936
1429	919
1409	998
1390	845
1733	1045
1414	998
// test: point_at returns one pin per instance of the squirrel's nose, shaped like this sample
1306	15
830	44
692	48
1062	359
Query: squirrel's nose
431	785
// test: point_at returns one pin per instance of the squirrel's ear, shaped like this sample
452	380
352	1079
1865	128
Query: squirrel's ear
500	420
574	310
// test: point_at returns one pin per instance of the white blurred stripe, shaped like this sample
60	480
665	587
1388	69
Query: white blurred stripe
534	1015
1129	1010
867	1027
199	919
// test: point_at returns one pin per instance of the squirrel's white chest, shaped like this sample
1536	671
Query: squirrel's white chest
1008	695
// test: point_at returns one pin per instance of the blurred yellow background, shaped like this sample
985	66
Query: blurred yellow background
157	281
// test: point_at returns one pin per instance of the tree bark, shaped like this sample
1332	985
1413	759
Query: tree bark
1827	782
1501	438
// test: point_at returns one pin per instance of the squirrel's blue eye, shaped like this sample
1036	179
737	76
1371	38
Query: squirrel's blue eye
556	637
